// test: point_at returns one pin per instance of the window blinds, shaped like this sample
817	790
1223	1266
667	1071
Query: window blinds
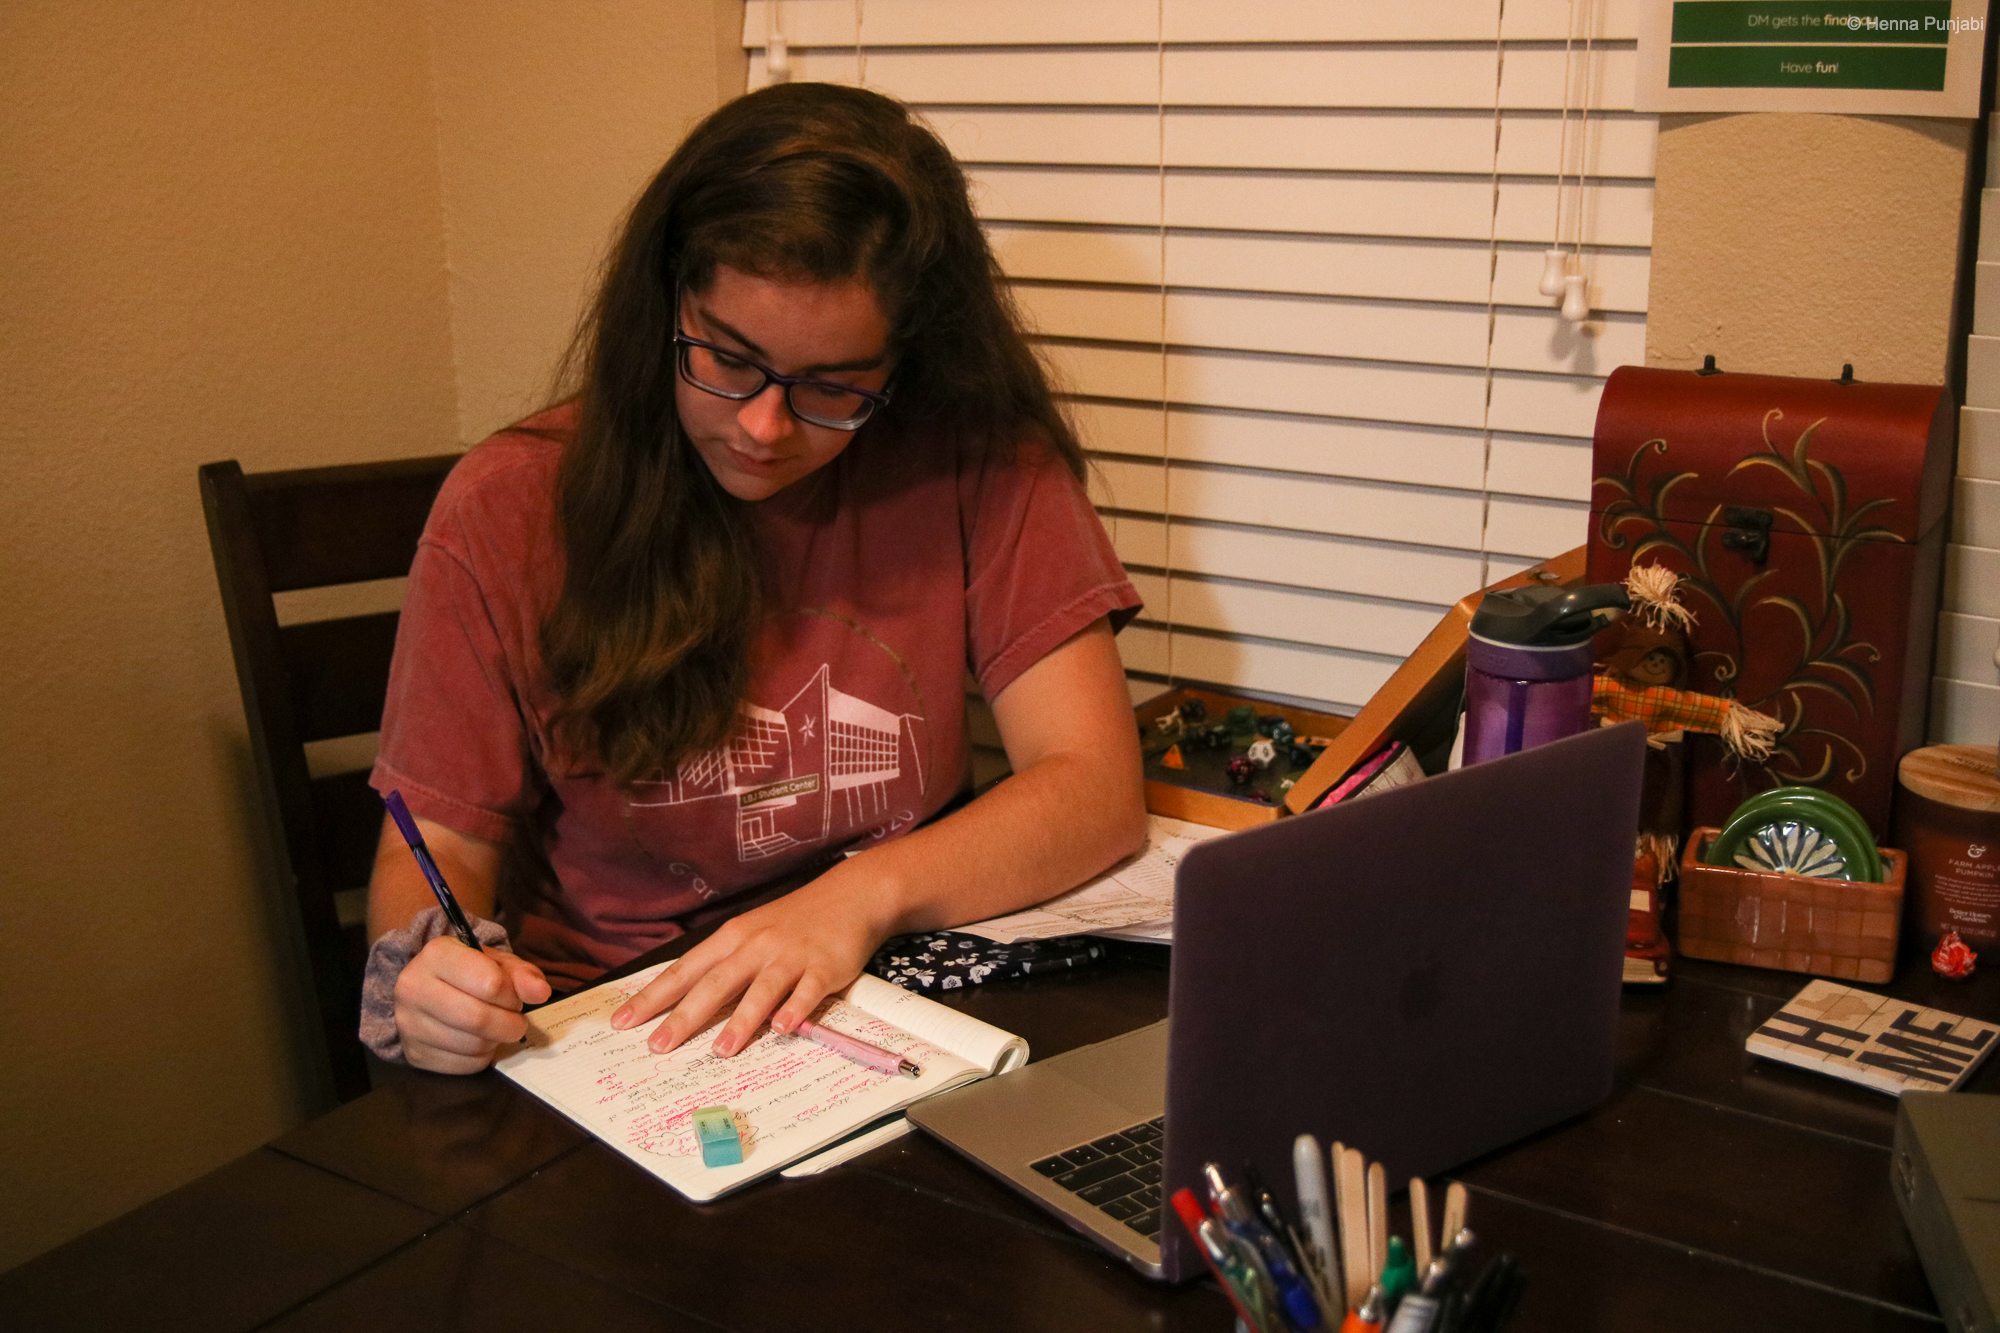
1284	257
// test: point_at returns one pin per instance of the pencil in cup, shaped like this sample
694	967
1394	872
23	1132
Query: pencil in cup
1317	1212
1208	1239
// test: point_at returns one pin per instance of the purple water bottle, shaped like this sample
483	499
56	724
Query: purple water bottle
1527	665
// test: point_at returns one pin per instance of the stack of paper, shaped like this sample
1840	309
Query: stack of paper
1134	900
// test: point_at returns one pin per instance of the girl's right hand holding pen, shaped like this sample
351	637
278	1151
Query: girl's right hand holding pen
456	1006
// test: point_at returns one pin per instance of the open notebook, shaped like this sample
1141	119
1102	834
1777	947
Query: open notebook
790	1095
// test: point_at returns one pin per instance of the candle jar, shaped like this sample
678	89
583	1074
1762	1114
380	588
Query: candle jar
1948	821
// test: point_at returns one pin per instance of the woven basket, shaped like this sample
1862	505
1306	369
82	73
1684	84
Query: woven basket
1828	927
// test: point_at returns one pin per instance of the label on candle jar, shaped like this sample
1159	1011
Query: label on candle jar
1967	886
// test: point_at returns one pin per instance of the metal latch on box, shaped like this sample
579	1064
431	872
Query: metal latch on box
1749	532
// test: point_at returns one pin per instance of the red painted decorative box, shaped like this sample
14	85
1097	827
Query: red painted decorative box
1806	520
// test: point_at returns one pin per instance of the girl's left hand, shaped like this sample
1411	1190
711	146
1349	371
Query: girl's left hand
1073	806
783	958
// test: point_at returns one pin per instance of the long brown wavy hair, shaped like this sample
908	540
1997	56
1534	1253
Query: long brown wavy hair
648	645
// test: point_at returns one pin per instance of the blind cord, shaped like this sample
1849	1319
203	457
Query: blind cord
1583	124
1562	142
1554	264
1576	296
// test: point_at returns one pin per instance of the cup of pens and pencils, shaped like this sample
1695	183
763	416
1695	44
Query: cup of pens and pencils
1335	1266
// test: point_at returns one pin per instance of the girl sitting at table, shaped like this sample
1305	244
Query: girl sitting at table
704	626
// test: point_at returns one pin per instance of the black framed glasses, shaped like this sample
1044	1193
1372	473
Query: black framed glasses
732	375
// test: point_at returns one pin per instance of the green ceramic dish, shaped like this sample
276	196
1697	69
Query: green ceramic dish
1811	798
1798	830
1861	838
1794	845
1807	807
1785	842
1832	814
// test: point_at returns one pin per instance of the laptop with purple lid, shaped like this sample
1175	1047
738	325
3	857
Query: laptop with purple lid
1425	975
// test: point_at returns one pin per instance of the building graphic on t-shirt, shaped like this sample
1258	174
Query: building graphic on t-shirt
819	767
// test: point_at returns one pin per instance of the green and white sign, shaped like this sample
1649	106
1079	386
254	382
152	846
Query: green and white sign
1892	57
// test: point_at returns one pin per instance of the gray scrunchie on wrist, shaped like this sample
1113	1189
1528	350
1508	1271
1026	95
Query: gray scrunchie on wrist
386	961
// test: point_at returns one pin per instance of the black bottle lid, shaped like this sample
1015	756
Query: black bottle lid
1538	616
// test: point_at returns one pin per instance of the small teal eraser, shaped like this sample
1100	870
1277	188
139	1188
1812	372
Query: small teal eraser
715	1130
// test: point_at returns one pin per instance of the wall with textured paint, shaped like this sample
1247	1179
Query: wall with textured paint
549	124
222	238
224	232
1791	244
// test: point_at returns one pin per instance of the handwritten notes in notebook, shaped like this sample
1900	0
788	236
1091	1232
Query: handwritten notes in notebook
789	1095
1134	899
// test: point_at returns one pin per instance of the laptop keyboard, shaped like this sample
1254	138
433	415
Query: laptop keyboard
1118	1174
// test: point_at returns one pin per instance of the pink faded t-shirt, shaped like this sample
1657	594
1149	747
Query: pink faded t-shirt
891	572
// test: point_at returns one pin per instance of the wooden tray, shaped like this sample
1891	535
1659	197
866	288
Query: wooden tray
1828	927
1201	793
1421	697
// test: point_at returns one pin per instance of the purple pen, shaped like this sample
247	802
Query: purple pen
856	1049
453	913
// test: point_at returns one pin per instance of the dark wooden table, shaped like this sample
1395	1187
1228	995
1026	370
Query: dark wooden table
1712	1191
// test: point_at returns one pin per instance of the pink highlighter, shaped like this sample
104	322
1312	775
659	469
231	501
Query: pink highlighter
856	1049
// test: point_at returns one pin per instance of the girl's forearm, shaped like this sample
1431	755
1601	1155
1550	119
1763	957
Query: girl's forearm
397	890
1041	832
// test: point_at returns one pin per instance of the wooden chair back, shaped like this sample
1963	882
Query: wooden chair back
276	532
